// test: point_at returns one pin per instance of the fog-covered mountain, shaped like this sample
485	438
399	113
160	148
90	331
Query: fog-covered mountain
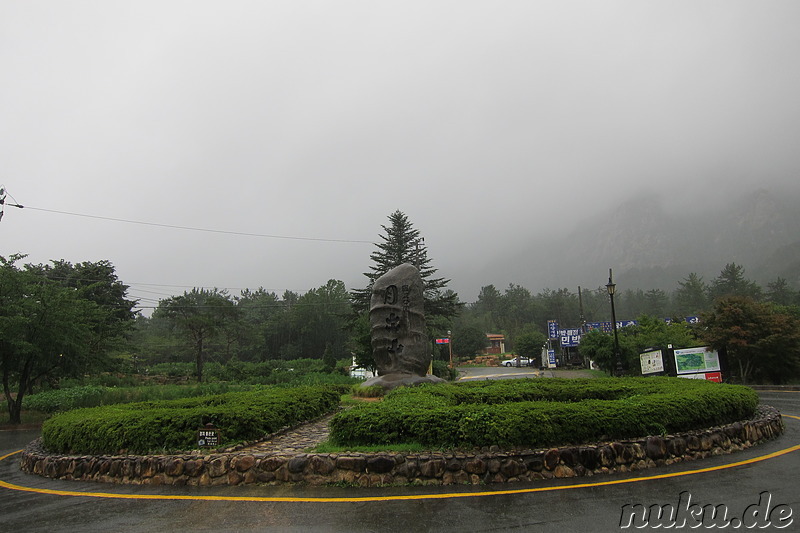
651	243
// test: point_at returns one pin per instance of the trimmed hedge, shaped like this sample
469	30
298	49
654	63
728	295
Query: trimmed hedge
165	426
539	413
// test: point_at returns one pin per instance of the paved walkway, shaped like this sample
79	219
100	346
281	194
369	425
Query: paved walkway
295	440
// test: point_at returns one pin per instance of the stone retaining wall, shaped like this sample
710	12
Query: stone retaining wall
490	465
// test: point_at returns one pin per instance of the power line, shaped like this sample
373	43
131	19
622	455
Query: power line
191	228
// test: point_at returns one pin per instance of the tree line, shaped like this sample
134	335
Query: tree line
65	319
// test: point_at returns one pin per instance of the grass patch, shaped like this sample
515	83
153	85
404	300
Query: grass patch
373	391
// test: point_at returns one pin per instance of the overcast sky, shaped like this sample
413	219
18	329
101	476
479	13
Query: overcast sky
488	123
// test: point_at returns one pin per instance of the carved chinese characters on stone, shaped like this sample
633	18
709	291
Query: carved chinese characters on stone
397	321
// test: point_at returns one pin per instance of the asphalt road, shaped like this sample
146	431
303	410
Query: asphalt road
737	481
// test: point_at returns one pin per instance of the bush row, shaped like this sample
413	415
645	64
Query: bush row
295	371
55	400
168	426
540	413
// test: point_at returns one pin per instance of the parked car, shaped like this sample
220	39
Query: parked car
523	361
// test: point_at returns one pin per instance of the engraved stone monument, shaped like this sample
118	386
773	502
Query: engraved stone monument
397	321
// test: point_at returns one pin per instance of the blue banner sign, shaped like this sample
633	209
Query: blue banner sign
552	329
570	340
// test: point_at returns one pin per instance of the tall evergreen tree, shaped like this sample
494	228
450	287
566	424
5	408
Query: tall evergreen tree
690	296
401	243
731	282
779	292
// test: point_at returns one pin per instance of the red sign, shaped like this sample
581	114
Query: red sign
714	376
442	341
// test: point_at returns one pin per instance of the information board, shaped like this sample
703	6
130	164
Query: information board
651	362
696	360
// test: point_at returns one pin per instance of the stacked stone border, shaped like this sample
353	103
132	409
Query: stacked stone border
487	465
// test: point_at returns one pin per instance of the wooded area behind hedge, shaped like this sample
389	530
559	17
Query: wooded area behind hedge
538	413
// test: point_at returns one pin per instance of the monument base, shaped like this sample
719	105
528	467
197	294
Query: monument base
391	381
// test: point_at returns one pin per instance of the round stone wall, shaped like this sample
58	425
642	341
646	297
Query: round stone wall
488	465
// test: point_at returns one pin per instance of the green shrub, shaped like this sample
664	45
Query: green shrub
540	412
55	400
442	370
171	425
373	391
173	370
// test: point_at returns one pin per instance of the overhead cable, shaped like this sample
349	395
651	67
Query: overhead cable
191	228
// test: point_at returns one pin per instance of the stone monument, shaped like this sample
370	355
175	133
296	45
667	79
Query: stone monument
397	321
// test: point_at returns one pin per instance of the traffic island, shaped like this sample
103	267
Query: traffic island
492	464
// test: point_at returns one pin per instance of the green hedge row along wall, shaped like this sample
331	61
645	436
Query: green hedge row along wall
539	412
171	425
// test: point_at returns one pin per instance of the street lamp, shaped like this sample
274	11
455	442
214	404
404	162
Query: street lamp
450	346
612	288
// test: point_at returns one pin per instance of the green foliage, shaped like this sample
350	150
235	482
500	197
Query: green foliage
529	344
148	427
401	243
633	340
540	413
199	314
293	372
761	341
65	399
328	359
468	339
49	329
691	296
731	282
442	370
373	391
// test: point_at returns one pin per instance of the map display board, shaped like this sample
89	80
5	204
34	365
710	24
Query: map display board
696	360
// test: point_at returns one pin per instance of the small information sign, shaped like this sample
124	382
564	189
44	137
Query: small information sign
651	362
208	437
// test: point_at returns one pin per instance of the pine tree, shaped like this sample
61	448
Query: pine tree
731	282
691	296
402	243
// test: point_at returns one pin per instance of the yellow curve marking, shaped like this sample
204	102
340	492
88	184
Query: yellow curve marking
443	496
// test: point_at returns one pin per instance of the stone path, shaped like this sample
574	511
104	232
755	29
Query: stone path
294	440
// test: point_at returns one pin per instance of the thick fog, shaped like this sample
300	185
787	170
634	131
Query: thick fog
292	129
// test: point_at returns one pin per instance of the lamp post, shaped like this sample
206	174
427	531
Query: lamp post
612	288
450	346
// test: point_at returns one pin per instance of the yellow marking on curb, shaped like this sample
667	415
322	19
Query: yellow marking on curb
396	497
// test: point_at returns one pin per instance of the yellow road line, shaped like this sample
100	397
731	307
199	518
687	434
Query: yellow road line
396	497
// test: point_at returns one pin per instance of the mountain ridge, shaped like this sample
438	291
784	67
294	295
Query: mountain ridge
651	244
